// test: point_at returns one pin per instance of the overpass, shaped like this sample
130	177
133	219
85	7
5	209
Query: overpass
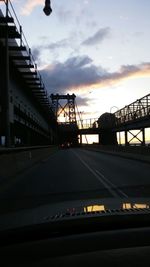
135	116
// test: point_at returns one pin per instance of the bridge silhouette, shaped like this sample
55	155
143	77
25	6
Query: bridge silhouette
135	116
29	116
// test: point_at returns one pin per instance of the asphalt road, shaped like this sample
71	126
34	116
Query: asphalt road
74	174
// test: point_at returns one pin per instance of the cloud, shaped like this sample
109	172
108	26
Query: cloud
73	73
82	102
98	37
80	74
61	44
56	45
30	5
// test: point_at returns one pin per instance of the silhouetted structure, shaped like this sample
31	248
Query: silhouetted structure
26	116
106	123
135	116
64	106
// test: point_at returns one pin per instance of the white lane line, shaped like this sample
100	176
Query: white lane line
98	176
113	185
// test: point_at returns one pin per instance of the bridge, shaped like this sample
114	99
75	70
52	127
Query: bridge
135	116
29	116
33	170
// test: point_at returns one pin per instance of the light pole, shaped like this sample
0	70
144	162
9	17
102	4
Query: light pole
47	9
113	107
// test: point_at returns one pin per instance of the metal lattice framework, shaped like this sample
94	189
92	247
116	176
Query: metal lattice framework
135	111
64	105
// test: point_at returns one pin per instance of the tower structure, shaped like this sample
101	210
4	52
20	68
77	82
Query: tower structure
65	112
64	107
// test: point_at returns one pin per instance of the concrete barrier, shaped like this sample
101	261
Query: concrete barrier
141	153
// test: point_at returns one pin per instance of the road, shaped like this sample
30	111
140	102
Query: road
73	174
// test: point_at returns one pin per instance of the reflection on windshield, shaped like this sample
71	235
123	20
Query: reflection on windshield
92	208
135	206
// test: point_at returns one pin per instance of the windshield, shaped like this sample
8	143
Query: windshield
74	105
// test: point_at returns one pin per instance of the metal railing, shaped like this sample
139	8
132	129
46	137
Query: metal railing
134	111
87	123
139	109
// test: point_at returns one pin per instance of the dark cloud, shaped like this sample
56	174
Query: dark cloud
80	73
73	73
98	37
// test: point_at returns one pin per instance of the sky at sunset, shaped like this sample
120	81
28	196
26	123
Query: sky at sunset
97	49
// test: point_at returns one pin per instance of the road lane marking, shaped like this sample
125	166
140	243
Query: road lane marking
113	185
98	176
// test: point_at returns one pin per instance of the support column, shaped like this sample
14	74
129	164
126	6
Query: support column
119	138
126	138
143	136
80	139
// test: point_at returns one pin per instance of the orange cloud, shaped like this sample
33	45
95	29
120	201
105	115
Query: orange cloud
125	73
30	5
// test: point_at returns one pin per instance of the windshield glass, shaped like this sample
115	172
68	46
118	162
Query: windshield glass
74	106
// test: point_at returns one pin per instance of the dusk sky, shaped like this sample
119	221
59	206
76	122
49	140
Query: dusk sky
97	49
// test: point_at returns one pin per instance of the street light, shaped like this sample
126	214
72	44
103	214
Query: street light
47	9
113	107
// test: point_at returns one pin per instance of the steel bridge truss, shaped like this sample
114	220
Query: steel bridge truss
135	111
138	137
64	105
